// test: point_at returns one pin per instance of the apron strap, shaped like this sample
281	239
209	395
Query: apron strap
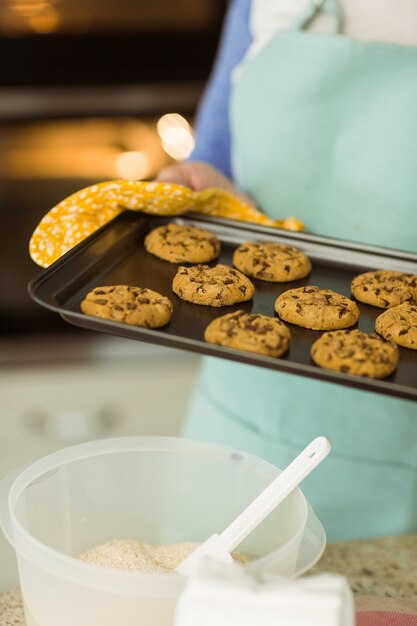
318	6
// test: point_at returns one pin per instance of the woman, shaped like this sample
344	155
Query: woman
309	122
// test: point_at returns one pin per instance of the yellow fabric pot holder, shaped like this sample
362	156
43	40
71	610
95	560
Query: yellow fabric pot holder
82	213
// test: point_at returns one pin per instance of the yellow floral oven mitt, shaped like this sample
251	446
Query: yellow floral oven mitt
82	213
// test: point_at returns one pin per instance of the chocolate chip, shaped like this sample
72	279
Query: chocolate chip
100	301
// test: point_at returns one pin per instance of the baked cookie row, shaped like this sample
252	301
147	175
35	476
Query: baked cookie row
269	261
348	351
274	262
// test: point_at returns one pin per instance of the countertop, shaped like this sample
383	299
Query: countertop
385	566
377	570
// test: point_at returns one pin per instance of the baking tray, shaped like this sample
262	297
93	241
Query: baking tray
115	255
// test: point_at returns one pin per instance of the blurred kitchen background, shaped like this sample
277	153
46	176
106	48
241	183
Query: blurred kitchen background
90	90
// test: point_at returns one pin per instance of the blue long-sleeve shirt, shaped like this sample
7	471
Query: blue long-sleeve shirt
212	120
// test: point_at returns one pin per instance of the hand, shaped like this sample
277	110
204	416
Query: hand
198	176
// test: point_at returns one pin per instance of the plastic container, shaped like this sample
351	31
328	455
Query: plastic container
157	490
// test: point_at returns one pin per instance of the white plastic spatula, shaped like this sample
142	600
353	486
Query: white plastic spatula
219	546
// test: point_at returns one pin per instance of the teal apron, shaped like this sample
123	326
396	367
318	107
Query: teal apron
325	128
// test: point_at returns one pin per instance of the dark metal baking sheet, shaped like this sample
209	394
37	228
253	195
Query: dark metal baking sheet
115	255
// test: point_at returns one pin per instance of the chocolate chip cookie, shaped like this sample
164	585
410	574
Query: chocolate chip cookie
177	243
138	306
399	324
250	332
315	308
270	261
385	288
355	352
220	285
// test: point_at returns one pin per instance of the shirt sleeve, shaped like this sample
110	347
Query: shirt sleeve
212	118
